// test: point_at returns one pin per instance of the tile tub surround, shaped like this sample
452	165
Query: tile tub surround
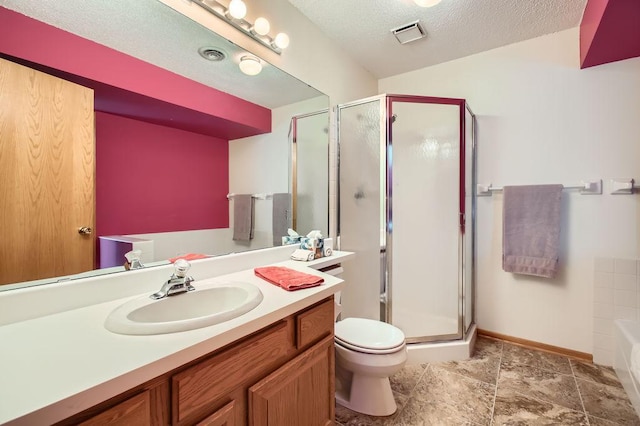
616	295
504	384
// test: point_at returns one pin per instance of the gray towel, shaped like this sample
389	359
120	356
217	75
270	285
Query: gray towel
281	217
242	217
531	229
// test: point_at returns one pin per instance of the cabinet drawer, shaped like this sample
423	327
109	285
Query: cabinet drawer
200	386
223	417
315	323
134	411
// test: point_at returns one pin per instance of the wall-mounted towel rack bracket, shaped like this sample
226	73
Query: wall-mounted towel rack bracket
622	186
586	187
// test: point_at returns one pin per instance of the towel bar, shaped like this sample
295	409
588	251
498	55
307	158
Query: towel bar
255	196
586	187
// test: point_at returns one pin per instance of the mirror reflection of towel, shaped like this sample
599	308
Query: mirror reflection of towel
242	217
531	229
281	216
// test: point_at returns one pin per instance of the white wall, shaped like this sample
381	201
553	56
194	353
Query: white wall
543	120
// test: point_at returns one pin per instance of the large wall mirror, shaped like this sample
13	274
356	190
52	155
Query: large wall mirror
193	171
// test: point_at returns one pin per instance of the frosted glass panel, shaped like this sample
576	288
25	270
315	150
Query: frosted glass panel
361	165
425	227
312	173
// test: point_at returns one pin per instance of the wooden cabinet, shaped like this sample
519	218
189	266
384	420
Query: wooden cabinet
299	393
133	411
206	385
281	375
223	417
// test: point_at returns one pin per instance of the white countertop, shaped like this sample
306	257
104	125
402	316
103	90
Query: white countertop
54	366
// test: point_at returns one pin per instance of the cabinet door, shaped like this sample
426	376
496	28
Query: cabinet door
299	393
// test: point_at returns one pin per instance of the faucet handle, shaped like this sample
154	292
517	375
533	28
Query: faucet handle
181	267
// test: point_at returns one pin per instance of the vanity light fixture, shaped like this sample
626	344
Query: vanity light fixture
426	3
235	16
261	26
250	65
237	9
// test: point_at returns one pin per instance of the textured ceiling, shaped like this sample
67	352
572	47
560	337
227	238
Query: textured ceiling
455	28
155	33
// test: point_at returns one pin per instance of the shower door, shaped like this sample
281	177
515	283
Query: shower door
362	175
406	207
425	217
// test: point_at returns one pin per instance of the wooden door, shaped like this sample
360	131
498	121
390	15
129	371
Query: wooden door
47	167
299	393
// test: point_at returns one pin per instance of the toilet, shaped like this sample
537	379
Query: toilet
368	352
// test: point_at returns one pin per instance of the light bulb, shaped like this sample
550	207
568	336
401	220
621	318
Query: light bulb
261	26
426	3
250	65
237	9
282	40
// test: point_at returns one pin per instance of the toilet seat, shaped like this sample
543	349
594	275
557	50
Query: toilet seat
369	336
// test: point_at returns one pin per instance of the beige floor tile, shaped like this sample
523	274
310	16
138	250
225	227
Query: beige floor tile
537	359
540	384
484	368
607	402
513	408
426	412
470	399
595	373
596	421
406	379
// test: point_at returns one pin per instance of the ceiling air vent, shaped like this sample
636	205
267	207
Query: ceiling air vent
212	53
409	32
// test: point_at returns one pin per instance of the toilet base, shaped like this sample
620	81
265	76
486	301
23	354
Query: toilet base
368	395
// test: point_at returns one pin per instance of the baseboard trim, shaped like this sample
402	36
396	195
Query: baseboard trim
582	356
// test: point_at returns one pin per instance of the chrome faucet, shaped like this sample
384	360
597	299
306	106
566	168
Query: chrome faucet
178	283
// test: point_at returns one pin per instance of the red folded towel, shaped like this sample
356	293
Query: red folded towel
287	278
188	256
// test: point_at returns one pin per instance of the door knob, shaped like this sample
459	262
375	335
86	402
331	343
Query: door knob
85	230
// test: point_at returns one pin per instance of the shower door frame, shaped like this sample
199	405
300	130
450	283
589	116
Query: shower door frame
387	298
386	251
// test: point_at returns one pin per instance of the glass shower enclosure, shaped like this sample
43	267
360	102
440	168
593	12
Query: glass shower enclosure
407	208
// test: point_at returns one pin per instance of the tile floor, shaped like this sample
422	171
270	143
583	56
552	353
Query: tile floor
504	384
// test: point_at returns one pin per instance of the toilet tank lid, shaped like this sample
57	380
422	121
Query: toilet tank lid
369	334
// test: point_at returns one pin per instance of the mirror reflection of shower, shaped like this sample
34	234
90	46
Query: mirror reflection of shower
310	171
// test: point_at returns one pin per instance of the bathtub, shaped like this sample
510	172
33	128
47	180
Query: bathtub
627	335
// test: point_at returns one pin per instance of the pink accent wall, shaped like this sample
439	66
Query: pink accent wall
609	31
151	178
128	86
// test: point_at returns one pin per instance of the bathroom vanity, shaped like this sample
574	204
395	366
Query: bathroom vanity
271	366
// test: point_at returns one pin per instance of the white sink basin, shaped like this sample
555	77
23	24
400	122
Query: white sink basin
186	311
